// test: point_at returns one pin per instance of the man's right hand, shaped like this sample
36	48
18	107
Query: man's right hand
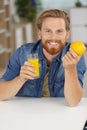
27	72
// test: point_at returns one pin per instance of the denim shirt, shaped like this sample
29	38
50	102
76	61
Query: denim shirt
56	77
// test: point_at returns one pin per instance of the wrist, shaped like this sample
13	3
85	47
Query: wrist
20	80
70	69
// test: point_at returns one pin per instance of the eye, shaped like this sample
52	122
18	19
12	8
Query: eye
47	30
60	31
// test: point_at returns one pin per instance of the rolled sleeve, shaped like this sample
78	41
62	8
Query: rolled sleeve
81	68
13	67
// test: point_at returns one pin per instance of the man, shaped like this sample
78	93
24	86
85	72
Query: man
61	69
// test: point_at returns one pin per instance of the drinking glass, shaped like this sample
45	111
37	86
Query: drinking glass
33	58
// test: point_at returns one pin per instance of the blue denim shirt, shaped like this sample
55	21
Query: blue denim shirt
56	76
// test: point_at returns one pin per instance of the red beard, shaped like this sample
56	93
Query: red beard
56	48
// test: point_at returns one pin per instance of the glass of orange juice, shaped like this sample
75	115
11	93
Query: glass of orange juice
33	58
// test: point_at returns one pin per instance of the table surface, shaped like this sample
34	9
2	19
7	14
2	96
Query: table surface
42	114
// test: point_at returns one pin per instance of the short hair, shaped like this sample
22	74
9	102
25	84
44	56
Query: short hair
54	13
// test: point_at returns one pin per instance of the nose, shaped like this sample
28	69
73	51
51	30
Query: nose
54	36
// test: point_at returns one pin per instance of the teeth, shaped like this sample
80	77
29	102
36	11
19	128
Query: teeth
53	43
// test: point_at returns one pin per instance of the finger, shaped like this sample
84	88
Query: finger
65	60
28	68
73	53
69	56
24	76
28	63
27	74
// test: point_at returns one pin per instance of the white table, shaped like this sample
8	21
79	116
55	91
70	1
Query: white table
42	114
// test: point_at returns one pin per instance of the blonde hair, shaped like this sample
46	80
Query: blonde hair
55	13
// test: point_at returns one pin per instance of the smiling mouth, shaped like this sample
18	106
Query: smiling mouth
53	43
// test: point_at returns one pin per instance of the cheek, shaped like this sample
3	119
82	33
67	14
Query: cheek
64	37
42	37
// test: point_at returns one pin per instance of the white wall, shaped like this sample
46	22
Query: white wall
60	3
13	9
47	4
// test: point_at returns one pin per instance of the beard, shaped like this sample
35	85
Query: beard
53	47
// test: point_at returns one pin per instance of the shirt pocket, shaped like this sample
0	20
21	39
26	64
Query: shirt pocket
59	83
59	86
29	88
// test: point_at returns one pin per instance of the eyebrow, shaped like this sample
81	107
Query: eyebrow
50	29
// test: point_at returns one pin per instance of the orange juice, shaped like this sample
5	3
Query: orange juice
35	62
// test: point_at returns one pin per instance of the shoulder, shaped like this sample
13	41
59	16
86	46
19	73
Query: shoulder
21	50
26	46
21	53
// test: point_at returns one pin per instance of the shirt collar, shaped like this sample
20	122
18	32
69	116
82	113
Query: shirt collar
63	52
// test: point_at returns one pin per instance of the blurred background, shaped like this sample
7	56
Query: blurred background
17	24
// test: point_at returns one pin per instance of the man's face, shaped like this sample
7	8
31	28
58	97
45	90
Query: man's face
53	35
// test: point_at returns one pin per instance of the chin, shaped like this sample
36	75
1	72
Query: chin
54	52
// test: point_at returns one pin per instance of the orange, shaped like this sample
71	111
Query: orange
78	47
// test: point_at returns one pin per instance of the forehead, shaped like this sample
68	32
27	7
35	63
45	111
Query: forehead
53	22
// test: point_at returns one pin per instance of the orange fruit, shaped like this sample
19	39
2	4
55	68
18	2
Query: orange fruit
78	47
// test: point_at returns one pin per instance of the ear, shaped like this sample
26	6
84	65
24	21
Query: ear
68	34
39	34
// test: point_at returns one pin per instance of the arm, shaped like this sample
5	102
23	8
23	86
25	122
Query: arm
8	89
72	89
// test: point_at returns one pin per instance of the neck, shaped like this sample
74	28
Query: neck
48	56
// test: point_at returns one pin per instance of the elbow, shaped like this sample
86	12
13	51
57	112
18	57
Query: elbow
5	98
74	102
